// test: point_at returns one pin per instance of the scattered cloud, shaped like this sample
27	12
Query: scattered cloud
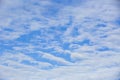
59	40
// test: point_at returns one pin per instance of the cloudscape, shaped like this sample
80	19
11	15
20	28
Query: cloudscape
59	40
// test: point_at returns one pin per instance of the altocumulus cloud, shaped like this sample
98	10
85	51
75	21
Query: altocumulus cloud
59	40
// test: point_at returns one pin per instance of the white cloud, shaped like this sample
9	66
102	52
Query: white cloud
55	58
15	61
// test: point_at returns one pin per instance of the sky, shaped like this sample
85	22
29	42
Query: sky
59	40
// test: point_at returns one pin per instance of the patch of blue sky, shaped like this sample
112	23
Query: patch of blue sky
70	18
46	50
101	25
27	62
117	21
5	47
84	42
65	2
75	32
35	2
8	29
56	32
35	56
69	2
59	28
65	45
27	37
104	48
103	36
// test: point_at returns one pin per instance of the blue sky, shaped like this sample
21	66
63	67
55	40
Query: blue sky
59	40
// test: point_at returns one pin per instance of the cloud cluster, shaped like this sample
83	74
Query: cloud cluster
59	40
